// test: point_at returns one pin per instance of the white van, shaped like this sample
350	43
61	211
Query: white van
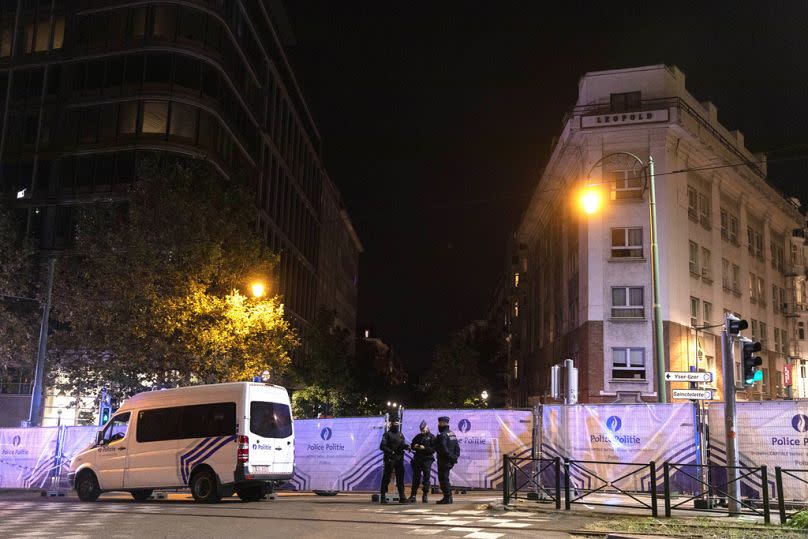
215	439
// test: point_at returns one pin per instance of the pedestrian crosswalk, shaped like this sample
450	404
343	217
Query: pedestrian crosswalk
466	523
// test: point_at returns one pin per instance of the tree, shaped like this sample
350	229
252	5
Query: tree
18	318
454	380
151	295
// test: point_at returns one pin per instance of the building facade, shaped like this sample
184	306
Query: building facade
91	87
579	285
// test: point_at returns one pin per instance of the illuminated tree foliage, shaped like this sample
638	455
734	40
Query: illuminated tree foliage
154	293
19	319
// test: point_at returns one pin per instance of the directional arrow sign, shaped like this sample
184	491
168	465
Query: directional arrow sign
693	394
688	376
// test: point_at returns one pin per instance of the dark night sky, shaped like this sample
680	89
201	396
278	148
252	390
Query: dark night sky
436	119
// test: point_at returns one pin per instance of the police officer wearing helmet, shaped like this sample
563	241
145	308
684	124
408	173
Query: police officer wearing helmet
393	446
423	447
448	451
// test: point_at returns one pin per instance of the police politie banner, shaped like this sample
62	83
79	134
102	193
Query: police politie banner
338	454
484	436
771	433
614	435
28	457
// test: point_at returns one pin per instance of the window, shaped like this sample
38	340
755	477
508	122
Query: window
704	210
183	121
116	428
203	420
694	259
165	22
694	311
782	299
736	279
192	25
708	313
157	425
692	204
625	101
706	264
127	118
775	303
155	117
724	225
628	363
725	276
755	239
764	332
270	419
733	229
754	328
777	256
801	331
777	339
516	280
6	31
627	184
627	243
516	309
627	302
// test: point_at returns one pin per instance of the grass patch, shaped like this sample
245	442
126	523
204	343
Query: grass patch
697	527
800	520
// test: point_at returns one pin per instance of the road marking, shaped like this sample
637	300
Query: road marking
469	512
426	531
483	535
512	525
465	529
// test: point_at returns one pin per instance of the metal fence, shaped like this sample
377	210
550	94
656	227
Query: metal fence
536	479
542	479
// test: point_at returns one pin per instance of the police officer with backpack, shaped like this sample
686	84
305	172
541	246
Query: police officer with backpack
448	451
393	446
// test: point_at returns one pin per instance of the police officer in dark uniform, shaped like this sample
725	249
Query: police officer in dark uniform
393	446
448	451
423	447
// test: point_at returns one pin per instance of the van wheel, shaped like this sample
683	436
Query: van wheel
250	494
204	487
141	495
87	487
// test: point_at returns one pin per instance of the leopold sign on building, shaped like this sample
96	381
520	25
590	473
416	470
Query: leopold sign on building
624	118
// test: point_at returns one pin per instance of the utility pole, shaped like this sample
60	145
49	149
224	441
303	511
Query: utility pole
36	395
731	326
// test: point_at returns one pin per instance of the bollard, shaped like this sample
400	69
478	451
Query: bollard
764	485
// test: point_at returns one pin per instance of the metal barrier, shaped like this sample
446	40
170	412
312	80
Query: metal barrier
781	502
610	486
712	489
525	474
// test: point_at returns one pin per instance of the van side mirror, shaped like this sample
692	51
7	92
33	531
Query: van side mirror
99	437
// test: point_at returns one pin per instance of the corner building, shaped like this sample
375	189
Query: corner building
91	87
579	285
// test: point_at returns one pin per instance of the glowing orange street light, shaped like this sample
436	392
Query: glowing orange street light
591	199
258	289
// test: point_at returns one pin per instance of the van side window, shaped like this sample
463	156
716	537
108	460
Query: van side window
116	430
203	420
158	425
270	419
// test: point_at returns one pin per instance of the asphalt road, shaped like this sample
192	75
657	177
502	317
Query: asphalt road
289	515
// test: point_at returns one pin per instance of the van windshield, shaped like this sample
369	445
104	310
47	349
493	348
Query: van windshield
270	419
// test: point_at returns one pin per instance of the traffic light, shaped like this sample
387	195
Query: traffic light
751	362
105	411
734	325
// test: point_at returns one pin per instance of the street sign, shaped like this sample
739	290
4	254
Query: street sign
683	376
693	394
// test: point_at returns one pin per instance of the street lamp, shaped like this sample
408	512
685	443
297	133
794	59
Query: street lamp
484	395
258	289
590	200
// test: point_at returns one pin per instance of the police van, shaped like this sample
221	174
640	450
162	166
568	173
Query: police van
214	439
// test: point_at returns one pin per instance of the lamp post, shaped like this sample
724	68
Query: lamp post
258	289
591	202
